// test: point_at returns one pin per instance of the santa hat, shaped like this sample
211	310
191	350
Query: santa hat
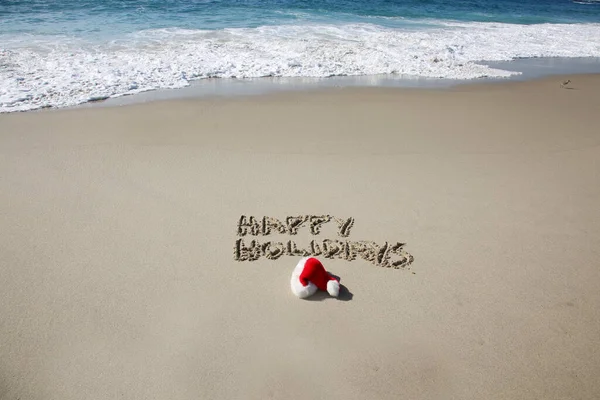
310	276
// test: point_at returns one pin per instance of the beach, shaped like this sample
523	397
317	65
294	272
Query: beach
118	276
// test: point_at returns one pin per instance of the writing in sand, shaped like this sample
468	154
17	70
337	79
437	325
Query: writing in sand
387	255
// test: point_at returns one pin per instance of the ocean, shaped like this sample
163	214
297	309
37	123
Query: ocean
59	53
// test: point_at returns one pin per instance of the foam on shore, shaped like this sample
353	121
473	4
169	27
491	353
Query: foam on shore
60	71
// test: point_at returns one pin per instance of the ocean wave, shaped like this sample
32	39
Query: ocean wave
38	72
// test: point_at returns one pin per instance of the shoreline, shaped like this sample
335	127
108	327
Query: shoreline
530	69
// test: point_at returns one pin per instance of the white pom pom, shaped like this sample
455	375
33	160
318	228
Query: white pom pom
297	288
333	288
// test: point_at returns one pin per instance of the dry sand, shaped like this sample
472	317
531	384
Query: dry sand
117	278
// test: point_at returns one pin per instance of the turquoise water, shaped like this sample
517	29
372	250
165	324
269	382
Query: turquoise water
111	18
65	52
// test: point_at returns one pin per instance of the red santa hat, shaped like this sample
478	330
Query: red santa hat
310	276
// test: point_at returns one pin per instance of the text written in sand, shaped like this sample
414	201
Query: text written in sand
385	255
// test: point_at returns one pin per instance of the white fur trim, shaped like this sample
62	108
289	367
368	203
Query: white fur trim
297	288
333	288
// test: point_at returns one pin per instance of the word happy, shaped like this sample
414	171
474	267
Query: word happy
385	255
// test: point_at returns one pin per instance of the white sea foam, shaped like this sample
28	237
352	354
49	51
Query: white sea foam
37	72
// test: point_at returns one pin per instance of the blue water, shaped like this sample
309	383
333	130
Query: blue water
111	18
65	52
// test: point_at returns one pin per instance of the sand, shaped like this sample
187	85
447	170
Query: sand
117	269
